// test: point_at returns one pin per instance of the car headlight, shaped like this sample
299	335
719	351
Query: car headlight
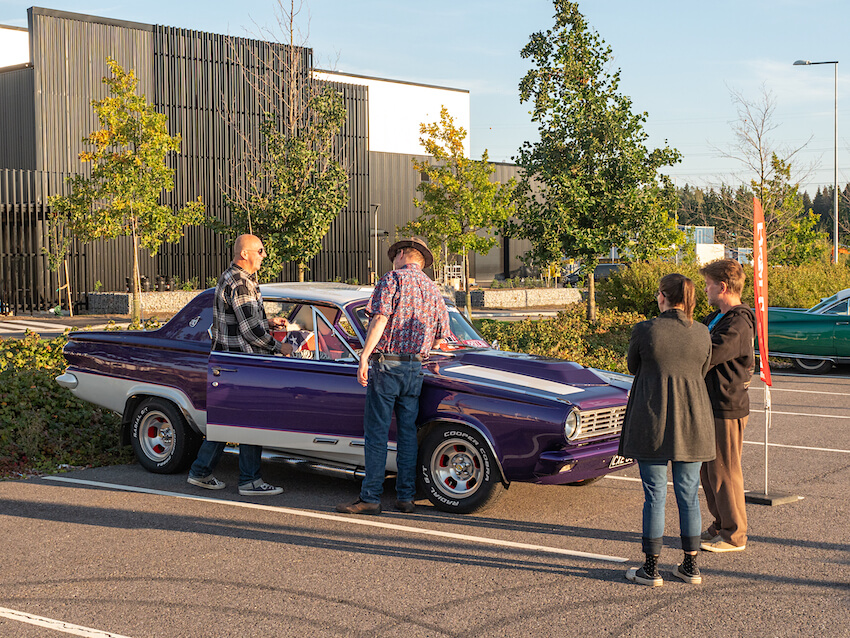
572	426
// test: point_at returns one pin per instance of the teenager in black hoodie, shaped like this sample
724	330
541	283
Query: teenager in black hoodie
732	328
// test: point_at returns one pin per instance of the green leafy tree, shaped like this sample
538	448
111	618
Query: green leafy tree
589	183
461	206
303	187
128	175
287	185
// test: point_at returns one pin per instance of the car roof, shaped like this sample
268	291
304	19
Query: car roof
328	291
334	292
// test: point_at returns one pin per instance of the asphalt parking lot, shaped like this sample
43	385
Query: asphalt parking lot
120	552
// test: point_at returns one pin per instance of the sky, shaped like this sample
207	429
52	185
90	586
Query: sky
679	62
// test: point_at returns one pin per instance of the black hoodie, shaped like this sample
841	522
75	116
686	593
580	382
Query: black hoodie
732	362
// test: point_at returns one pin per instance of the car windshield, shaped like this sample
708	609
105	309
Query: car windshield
463	334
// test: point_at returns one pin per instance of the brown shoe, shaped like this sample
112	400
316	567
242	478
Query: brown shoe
408	507
359	507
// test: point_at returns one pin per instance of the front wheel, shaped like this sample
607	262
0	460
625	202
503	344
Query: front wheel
457	470
812	366
162	440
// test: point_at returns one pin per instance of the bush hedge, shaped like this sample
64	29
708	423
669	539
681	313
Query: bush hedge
569	336
633	289
43	427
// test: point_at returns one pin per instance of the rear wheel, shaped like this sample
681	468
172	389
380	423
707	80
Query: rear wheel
457	470
812	366
162	439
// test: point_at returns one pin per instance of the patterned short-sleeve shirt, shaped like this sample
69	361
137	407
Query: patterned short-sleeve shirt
415	310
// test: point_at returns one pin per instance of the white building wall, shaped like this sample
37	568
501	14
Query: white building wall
14	46
396	109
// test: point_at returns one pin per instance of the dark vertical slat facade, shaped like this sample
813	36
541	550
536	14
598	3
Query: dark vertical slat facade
186	75
17	114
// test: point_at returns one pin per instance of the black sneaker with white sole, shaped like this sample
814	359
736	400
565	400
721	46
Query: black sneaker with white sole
692	577
259	488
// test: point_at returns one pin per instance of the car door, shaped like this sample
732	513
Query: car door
840	314
309	404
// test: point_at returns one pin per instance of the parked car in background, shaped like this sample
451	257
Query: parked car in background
812	339
487	418
602	271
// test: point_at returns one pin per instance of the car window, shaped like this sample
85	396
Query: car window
838	309
824	303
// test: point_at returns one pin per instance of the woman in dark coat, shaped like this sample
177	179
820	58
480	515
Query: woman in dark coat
669	418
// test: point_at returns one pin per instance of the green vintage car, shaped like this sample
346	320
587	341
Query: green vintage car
812	339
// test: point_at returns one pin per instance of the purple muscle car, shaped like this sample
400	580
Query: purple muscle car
486	417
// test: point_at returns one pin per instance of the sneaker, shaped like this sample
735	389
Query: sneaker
719	545
359	507
693	578
209	482
709	537
259	488
637	575
406	507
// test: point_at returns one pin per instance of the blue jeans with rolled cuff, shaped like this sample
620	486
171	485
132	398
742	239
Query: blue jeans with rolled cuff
394	386
210	454
653	475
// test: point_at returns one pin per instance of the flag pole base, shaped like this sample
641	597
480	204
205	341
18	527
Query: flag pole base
760	498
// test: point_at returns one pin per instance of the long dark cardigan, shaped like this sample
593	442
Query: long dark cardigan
669	413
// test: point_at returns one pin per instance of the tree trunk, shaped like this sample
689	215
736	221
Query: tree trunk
301	268
137	286
591	298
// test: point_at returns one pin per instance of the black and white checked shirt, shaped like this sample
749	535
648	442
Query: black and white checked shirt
239	319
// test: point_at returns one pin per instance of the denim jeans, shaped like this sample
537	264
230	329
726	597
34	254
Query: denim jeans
210	453
653	474
393	386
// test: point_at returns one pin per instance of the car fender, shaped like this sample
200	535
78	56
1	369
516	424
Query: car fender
138	392
426	427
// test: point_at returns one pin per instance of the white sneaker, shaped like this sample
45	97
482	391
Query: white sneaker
259	488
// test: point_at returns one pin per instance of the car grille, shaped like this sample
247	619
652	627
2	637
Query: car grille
595	423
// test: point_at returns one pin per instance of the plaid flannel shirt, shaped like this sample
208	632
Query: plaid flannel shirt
239	319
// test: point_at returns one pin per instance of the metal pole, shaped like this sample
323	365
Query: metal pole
835	165
767	415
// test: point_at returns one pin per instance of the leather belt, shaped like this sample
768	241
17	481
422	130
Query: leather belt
388	356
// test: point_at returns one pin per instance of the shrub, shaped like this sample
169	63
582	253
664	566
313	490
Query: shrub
42	425
569	336
633	289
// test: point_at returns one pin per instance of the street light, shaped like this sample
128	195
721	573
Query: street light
835	160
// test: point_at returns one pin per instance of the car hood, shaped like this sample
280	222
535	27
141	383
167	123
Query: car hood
537	376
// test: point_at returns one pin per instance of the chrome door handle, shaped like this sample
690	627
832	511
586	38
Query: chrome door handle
218	371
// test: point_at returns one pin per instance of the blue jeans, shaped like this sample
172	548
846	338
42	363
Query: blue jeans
393	386
210	453
653	474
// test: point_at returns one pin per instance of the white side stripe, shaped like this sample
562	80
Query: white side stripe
522	380
56	625
345	519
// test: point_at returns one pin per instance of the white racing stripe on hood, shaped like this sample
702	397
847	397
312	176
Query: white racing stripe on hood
511	378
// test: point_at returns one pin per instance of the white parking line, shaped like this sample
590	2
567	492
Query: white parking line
825	416
799	447
355	521
775	389
56	625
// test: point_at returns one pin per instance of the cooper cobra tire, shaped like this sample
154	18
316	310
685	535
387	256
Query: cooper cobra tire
162	440
457	471
812	366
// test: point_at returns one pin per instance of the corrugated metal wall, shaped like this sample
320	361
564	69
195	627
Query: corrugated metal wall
187	75
17	113
393	185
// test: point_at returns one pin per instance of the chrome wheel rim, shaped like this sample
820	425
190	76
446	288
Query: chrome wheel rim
457	468
156	436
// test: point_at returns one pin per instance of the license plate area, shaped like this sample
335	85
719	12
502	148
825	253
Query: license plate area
618	461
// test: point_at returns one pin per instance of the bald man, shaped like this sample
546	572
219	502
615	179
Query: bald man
240	325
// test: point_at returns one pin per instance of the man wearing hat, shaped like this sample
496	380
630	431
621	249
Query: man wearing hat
408	318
